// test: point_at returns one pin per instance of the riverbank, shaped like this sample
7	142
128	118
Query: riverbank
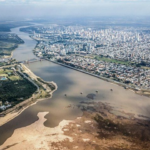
140	92
134	88
37	136
11	55
100	129
11	113
6	57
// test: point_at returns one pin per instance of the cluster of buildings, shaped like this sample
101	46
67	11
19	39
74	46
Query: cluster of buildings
129	46
138	78
5	105
126	44
71	42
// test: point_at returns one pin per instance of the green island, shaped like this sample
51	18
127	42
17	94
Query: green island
8	42
19	87
6	26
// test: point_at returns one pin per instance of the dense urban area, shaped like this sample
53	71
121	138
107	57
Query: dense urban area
119	53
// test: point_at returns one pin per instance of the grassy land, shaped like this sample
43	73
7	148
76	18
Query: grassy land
43	94
5	71
7	63
145	67
15	89
3	64
8	42
106	59
7	47
3	75
52	87
14	78
127	63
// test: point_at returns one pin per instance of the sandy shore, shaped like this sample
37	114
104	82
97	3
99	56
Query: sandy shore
97	129
37	136
15	113
10	55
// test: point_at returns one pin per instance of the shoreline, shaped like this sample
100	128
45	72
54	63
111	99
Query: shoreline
105	131
37	133
16	112
10	56
139	92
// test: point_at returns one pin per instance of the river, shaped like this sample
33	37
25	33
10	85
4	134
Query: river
72	83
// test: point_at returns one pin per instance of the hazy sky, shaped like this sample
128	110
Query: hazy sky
45	8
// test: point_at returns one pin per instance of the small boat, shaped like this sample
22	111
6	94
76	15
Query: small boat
111	89
81	93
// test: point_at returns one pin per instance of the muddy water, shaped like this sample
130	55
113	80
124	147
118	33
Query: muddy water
71	83
24	51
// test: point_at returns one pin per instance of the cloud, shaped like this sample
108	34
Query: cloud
53	8
67	1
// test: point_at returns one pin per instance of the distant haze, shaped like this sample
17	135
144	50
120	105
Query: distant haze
74	8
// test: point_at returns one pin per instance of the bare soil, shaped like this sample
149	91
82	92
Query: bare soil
98	129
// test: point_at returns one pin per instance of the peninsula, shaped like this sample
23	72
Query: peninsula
19	89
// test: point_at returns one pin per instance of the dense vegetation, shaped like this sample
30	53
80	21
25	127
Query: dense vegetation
6	48
8	42
3	64
5	27
11	38
15	91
